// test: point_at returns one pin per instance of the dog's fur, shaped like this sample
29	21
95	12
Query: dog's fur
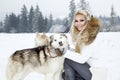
41	39
46	59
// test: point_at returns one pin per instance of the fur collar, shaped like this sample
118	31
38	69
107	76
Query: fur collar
88	34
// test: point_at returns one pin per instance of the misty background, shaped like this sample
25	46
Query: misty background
48	17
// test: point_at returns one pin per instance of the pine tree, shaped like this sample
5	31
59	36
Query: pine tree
1	26
35	20
113	16
50	21
11	23
72	8
41	27
65	23
13	20
6	24
30	19
83	5
23	23
46	24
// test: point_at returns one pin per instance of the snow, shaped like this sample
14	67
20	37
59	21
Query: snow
108	46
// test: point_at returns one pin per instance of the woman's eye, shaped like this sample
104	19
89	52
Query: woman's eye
81	20
76	20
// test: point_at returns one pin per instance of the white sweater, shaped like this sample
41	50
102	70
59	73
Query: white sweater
88	54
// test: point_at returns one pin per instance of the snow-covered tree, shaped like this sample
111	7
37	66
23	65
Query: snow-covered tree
41	27
1	26
113	16
6	23
30	19
83	5
50	22
11	23
35	20
72	8
23	23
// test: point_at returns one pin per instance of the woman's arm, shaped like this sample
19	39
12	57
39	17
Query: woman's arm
78	57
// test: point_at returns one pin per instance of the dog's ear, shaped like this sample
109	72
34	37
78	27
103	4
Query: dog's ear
44	34
64	35
37	34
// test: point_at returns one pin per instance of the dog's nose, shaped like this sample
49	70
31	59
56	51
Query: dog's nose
60	43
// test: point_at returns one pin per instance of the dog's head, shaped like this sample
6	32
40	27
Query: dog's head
59	41
41	39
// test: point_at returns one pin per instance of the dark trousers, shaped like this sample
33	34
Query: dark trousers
76	71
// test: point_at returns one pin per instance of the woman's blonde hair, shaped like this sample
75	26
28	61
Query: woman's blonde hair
74	30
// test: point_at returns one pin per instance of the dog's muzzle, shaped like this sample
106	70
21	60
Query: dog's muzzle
60	43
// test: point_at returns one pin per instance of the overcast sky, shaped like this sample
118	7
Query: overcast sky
58	8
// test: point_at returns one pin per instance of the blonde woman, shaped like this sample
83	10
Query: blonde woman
84	30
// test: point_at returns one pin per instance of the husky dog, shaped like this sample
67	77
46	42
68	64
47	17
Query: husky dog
46	59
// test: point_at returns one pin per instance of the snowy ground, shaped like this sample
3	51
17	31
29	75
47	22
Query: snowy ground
108	48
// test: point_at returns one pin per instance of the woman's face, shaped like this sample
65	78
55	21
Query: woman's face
80	21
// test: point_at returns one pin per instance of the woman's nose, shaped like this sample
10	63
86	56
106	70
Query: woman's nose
78	23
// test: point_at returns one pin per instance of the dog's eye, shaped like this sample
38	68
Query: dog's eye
55	40
60	37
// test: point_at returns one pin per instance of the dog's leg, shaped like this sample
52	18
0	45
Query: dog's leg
49	76
9	73
58	74
22	73
27	69
16	71
11	70
54	76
